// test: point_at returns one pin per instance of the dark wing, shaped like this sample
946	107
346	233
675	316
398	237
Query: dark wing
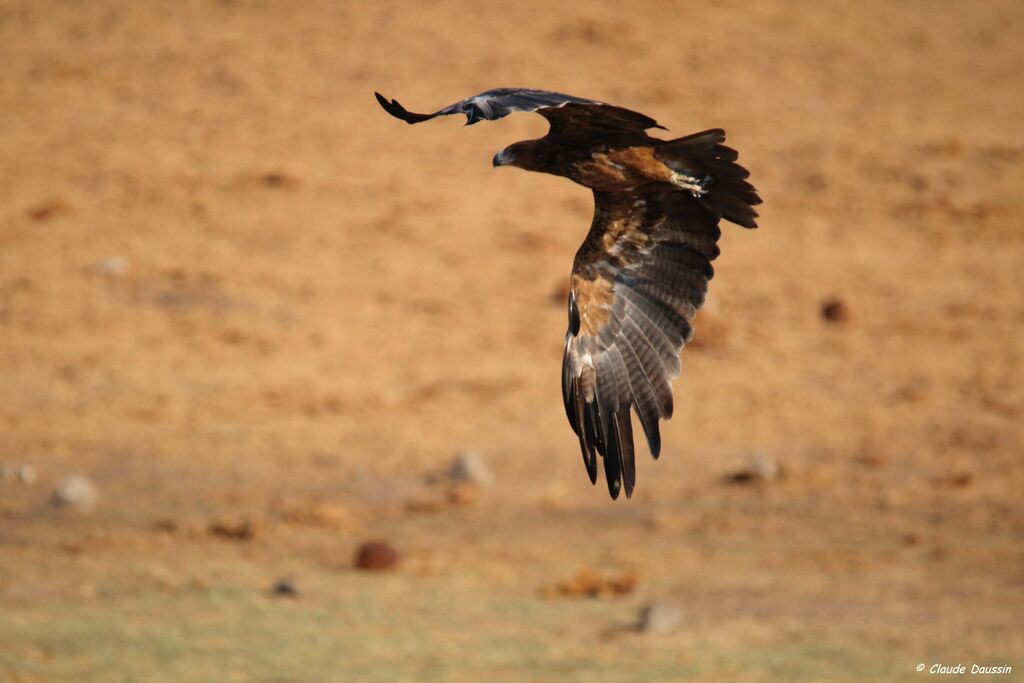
489	105
500	102
637	282
593	122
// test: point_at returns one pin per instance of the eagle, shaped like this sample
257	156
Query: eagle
642	272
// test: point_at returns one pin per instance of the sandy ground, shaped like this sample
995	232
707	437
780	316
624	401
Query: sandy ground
233	291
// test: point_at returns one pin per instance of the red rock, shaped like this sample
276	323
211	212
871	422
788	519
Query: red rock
376	556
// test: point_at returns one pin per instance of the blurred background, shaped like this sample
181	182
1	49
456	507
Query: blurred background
249	322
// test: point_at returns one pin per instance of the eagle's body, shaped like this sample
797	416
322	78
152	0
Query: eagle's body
605	167
642	271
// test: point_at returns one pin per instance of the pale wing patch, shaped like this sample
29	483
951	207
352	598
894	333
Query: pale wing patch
594	302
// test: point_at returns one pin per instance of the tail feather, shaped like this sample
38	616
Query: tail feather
729	194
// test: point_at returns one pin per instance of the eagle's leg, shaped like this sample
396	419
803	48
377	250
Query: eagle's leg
698	187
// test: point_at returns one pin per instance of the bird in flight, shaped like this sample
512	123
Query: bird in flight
642	271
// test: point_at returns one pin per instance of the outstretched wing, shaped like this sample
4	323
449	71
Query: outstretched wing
637	282
565	112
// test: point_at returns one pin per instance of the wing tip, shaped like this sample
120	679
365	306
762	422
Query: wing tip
626	450
653	435
589	459
398	111
743	221
613	488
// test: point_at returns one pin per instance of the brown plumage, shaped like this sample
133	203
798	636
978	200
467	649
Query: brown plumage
642	271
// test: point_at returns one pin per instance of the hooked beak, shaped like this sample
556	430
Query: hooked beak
502	158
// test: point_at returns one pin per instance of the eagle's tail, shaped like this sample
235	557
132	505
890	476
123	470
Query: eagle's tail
701	155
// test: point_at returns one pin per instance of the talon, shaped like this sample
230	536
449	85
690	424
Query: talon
698	187
705	185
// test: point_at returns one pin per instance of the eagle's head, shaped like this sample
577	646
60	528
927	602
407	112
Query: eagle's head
503	158
522	154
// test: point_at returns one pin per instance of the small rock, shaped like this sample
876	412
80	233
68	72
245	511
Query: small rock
165	526
376	556
112	265
659	617
591	583
26	474
47	209
759	467
956	479
815	181
470	468
234	530
75	492
872	460
277	179
763	466
285	588
834	310
910	539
